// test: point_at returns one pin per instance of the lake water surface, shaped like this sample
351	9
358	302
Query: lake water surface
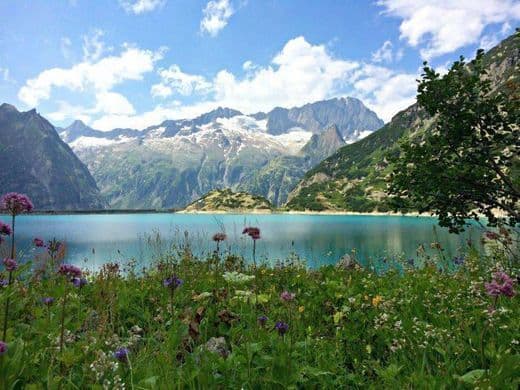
319	239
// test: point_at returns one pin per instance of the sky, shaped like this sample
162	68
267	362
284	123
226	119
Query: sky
135	63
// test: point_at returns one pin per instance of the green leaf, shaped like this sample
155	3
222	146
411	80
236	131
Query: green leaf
472	376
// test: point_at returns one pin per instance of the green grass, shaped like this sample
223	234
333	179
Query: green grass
414	328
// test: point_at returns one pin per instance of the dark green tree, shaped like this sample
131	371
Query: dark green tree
467	164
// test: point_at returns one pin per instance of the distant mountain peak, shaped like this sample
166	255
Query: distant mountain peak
8	107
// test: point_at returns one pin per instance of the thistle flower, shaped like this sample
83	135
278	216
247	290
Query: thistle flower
10	264
5	229
48	301
38	242
121	354
262	320
252	232
79	282
172	282
15	203
287	296
3	348
501	284
281	327
218	237
69	270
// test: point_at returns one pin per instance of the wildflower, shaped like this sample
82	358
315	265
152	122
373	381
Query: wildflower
217	237
287	296
121	354
10	264
491	235
281	327
38	243
70	270
3	348
377	300
79	282
48	301
252	232
237	277
4	282
172	282
262	320
301	309
501	284
5	229
458	260
16	203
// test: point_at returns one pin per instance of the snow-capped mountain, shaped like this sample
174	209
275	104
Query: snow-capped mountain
177	161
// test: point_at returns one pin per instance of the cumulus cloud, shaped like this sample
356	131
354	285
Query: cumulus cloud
100	76
141	6
216	15
443	26
386	53
174	80
93	45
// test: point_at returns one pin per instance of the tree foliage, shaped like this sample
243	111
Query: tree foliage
467	165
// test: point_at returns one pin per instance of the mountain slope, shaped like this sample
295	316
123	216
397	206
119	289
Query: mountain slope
37	162
227	200
354	177
171	164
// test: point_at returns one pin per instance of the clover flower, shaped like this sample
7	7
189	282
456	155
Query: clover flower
262	320
10	265
172	282
38	242
218	237
287	296
16	203
501	284
281	327
121	354
3	348
70	270
5	229
48	301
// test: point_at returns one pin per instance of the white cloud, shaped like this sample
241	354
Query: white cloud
100	76
386	53
93	46
216	15
141	6
443	26
174	79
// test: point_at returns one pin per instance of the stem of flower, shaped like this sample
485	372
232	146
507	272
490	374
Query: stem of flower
6	312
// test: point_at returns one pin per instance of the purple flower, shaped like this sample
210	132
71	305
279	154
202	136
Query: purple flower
501	284
16	203
38	243
252	232
172	282
281	327
10	265
4	282
287	296
48	301
217	237
121	354
69	270
79	282
3	348
5	229
458	260
262	320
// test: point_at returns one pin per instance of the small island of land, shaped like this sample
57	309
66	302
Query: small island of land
225	200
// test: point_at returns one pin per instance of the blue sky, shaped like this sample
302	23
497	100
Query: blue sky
134	63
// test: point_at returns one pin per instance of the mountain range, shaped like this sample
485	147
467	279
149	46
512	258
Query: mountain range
177	161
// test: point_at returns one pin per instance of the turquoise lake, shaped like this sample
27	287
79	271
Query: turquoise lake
319	239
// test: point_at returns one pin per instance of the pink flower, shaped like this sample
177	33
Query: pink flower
69	270
16	203
252	232
10	265
491	235
5	229
217	237
501	284
38	242
287	296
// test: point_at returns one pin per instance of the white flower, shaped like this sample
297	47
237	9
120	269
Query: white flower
237	277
